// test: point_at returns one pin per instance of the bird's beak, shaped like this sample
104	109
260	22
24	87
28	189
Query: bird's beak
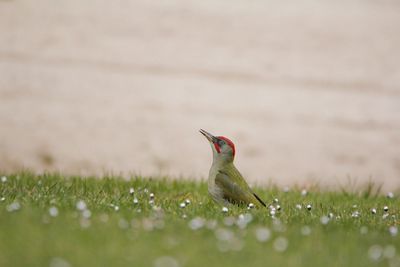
209	136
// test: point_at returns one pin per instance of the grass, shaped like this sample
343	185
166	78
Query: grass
57	221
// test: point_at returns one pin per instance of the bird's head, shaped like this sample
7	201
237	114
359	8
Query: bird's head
223	148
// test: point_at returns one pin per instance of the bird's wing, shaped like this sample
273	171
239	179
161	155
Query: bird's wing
235	193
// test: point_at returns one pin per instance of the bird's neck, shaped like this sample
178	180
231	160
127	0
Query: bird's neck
222	162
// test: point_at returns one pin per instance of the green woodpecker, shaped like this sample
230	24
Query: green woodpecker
225	183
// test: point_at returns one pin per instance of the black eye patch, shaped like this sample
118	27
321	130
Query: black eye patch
221	142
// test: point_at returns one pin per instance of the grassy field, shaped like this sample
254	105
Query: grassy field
58	221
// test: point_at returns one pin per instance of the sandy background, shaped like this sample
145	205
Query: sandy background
308	90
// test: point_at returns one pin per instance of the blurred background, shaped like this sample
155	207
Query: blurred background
309	91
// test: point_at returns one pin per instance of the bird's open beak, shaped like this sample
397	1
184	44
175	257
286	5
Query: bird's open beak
209	136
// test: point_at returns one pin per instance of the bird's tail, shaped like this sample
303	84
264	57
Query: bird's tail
259	199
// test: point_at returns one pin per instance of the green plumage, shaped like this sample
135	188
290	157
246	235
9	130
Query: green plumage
234	187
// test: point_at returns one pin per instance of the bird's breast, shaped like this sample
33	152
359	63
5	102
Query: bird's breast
213	189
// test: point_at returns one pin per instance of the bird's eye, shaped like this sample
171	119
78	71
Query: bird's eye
221	143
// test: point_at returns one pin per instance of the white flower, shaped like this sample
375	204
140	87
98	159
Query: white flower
53	211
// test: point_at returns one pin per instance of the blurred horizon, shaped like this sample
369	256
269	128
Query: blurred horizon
308	92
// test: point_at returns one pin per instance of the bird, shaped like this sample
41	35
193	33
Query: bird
226	184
